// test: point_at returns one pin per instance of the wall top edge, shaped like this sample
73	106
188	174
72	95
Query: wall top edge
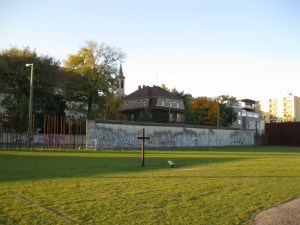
159	124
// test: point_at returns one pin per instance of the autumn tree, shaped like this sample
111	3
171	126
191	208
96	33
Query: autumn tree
96	65
207	110
204	110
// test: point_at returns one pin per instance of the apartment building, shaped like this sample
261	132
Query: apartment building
247	116
284	108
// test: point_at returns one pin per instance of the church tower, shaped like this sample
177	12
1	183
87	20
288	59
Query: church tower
120	83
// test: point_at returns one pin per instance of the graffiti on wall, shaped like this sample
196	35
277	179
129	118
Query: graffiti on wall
48	140
121	136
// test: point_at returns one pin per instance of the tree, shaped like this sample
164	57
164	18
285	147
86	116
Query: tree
164	87
227	113
14	79
190	117
204	110
96	65
145	116
112	109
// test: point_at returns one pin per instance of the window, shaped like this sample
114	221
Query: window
163	103
144	103
122	84
177	104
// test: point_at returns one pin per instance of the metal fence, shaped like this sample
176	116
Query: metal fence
48	132
285	134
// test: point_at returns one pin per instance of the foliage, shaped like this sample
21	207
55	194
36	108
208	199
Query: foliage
208	186
205	110
145	116
14	77
164	87
190	116
112	109
95	65
186	97
227	113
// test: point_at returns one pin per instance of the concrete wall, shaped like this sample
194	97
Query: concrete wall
112	135
48	140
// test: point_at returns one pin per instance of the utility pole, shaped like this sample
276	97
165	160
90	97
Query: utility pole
30	105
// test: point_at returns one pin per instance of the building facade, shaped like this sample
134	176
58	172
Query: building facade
284	108
163	106
247	116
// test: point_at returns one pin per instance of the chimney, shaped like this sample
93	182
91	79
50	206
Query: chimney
139	87
143	85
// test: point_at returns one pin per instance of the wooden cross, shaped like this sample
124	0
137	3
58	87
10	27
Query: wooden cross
143	138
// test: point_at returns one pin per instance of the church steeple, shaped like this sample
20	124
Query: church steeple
120	71
121	83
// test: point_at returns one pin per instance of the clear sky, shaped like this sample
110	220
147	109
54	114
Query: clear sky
243	48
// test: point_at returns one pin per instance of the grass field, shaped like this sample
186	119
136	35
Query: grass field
208	186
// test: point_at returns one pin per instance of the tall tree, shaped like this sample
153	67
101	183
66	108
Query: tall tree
96	65
227	113
14	80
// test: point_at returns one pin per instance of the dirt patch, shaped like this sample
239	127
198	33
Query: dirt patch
286	213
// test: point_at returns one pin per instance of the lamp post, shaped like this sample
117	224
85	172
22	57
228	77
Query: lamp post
30	104
218	114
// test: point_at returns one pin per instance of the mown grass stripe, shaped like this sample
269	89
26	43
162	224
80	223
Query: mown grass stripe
44	207
116	196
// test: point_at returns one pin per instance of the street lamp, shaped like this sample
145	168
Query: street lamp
218	114
30	103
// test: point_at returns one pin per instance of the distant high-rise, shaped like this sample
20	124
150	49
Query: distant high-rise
285	108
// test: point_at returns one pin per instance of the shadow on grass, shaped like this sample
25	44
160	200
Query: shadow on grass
16	167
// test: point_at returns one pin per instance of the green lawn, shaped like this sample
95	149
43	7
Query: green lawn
208	186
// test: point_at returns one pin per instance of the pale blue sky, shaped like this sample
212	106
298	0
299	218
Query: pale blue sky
244	48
